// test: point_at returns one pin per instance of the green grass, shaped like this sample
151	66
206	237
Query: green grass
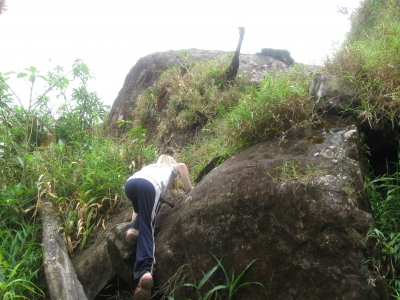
188	96
198	155
384	197
370	63
280	102
230	283
20	262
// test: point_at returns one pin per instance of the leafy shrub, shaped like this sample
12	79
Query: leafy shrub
82	174
84	181
14	200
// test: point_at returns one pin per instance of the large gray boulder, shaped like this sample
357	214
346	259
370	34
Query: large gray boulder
332	94
121	254
298	206
279	54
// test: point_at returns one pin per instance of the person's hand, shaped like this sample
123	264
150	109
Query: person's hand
189	190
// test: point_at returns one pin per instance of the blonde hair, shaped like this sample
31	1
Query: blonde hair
167	161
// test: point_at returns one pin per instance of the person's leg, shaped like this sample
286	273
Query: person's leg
132	233
147	201
131	187
134	222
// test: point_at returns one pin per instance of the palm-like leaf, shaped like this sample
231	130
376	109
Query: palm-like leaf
231	284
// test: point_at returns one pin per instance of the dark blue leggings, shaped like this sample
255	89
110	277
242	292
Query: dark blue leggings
146	204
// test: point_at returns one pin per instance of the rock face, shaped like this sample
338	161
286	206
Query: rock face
120	253
281	55
149	68
297	206
331	94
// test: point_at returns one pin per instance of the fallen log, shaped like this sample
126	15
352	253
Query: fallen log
62	282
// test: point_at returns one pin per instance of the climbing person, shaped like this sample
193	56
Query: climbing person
144	189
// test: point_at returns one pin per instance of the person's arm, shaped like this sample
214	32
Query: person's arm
183	171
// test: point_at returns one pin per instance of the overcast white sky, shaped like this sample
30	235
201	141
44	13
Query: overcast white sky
110	36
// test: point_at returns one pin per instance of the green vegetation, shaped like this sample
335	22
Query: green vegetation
189	95
20	260
369	61
231	283
280	102
384	196
61	155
